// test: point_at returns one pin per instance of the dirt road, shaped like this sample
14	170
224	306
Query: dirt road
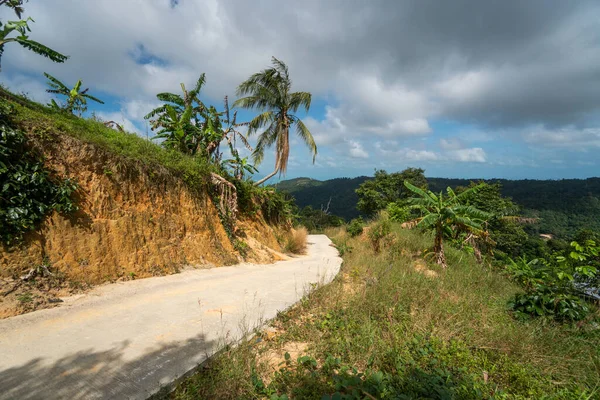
126	341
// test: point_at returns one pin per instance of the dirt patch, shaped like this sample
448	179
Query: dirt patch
420	266
274	359
20	297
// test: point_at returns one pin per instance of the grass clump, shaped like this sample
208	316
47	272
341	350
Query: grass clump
385	328
295	240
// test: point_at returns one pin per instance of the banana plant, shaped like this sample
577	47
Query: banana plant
445	215
239	166
180	120
21	28
76	98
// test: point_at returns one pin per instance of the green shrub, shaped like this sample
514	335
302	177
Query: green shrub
379	231
29	192
355	227
398	213
545	301
553	287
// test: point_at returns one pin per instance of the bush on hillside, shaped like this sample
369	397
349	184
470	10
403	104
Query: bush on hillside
355	227
29	192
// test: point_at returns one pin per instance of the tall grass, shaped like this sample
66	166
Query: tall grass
442	335
295	240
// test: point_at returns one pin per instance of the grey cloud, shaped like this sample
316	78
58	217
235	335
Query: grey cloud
388	67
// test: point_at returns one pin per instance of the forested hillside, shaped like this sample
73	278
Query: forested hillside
562	206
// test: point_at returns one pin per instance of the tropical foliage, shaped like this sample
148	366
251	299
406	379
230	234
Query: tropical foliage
556	286
76	99
447	216
21	29
186	124
270	92
29	191
385	188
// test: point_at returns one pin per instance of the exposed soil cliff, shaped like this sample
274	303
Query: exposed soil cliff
134	220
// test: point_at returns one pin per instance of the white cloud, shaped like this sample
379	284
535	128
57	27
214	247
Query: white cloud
476	154
451	144
567	137
356	150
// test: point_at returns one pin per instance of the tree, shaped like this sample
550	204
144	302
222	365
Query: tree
76	98
504	224
178	121
446	216
270	92
375	194
188	125
22	28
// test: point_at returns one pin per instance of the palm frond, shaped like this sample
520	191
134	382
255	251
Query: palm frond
89	96
42	50
55	83
265	140
307	137
300	99
201	81
158	110
171	98
428	220
260	120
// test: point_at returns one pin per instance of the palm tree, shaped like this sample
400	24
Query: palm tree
270	92
445	215
76	98
22	28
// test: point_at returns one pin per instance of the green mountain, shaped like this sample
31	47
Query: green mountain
563	206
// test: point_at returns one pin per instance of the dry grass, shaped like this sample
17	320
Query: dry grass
451	334
295	241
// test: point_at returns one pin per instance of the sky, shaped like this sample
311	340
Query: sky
463	88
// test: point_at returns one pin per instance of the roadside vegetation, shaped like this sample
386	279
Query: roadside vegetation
393	325
431	302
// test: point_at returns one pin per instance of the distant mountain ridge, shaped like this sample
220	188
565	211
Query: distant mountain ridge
565	206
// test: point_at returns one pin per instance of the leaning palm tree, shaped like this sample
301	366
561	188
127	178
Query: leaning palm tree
76	98
446	215
270	92
22	38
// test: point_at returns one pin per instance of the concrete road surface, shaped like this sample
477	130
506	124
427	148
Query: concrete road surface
126	341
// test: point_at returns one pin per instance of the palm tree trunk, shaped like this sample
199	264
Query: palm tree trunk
266	178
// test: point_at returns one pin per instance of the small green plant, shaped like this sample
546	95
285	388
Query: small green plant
25	298
343	248
241	247
76	99
355	227
379	231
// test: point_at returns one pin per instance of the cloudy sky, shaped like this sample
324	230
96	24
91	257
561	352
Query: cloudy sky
462	88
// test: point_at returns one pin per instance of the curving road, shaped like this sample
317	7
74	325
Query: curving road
126	341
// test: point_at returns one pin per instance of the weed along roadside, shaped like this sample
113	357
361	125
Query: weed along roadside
393	325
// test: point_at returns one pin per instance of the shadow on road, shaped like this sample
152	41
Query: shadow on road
103	374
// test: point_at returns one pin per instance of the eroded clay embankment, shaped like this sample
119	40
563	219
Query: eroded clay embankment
133	221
